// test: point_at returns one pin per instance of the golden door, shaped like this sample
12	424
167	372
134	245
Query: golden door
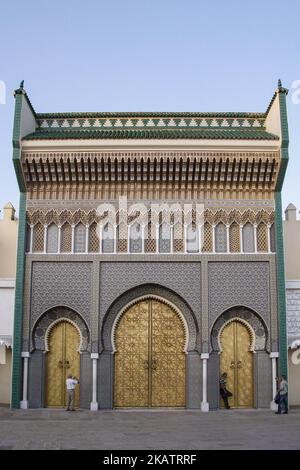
150	357
62	359
237	361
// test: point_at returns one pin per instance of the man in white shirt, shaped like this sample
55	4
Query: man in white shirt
71	383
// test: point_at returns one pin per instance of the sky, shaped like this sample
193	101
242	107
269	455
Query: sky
158	55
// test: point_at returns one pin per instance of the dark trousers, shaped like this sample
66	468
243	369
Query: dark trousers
225	397
283	403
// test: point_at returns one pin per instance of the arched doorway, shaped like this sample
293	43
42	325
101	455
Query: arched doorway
149	367
237	360
62	359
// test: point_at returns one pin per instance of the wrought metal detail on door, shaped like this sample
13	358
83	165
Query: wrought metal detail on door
150	357
62	360
237	361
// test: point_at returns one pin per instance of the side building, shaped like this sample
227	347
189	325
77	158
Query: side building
8	252
291	227
150	257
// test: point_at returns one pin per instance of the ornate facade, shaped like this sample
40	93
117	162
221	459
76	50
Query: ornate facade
150	257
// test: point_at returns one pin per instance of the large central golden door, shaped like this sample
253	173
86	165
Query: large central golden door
62	359
237	361
150	357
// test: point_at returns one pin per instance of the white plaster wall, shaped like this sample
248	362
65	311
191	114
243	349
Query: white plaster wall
28	122
7	299
273	122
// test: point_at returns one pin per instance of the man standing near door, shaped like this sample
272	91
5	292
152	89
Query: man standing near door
283	396
71	383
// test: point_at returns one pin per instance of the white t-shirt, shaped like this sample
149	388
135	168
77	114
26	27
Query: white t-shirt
71	383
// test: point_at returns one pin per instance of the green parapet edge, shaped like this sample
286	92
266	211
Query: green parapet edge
19	289
18	314
281	298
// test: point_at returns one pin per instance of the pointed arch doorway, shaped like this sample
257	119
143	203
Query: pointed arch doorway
149	361
237	361
63	359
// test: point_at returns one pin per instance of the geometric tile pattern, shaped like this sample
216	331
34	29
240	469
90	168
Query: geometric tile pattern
63	284
152	122
239	283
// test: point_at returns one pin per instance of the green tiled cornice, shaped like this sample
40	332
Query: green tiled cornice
147	114
248	134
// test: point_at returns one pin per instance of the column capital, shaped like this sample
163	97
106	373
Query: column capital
94	356
25	354
274	354
204	356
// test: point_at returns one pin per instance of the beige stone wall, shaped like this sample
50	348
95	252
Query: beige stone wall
291	231
8	242
5	378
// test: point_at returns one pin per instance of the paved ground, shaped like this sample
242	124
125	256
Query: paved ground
141	429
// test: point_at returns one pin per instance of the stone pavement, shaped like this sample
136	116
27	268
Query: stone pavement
143	429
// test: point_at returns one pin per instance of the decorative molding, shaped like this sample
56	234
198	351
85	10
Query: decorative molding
154	121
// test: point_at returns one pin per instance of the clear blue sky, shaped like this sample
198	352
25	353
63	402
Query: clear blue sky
158	55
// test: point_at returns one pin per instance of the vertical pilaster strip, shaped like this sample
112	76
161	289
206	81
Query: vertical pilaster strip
273	305
204	296
18	312
95	307
283	359
283	356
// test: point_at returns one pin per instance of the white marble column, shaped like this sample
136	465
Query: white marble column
86	239
59	238
94	403
31	238
241	239
213	238
269	238
273	357
227	239
204	403
45	238
24	401
73	238
255	237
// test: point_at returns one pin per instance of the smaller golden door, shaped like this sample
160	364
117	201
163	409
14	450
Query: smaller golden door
62	359
237	361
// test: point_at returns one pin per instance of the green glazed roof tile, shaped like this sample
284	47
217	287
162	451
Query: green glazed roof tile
172	133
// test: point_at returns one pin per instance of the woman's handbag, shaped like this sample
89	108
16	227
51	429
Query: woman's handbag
277	398
228	393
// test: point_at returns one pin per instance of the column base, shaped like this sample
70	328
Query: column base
205	406
24	405
273	406
94	406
